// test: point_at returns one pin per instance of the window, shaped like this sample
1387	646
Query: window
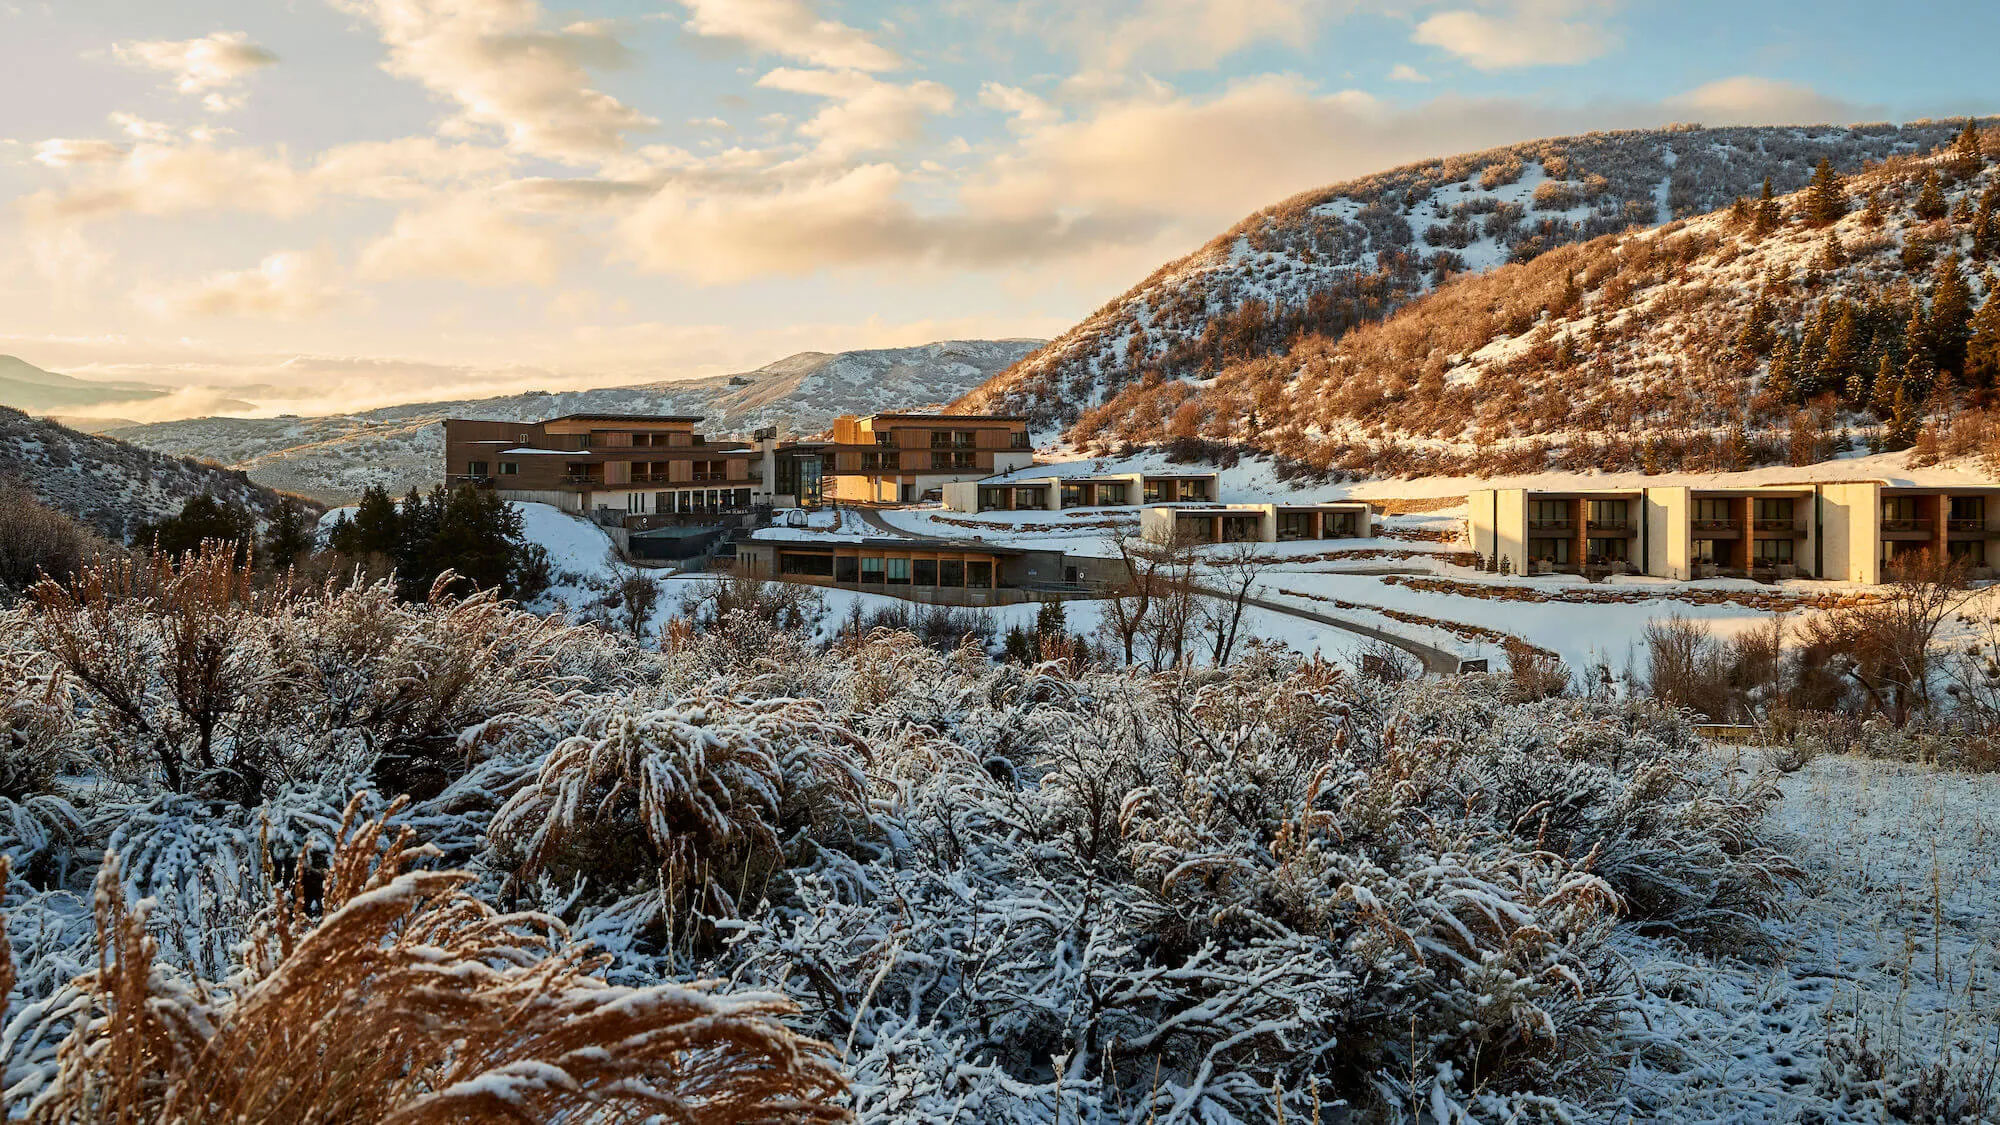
635	503
1713	511
1608	513
475	468
1968	508
899	572
1152	491
940	460
1606	550
871	461
965	439
979	575
925	571
663	502
951	572
1770	552
940	439
846	569
1971	553
1111	494
818	566
1552	551
509	468
1295	525
1900	508
990	498
1017	440
1768	508
1340	525
1705	552
871	571
742	497
888	439
963	460
1552	515
1072	495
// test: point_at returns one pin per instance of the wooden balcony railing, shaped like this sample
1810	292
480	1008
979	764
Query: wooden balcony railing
1906	525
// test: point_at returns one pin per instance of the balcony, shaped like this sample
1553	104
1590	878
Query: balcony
1718	525
1787	527
1966	527
1905	527
581	478
1552	525
699	478
1611	528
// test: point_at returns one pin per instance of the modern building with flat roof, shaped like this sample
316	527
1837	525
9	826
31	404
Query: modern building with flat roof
941	571
897	458
1256	523
1849	531
1020	492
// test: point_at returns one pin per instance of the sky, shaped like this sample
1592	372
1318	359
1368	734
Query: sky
325	205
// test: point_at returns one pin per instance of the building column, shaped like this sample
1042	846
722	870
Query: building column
1940	528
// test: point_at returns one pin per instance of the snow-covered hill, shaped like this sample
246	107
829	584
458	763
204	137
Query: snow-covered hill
24	386
109	484
1348	254
1707	344
336	456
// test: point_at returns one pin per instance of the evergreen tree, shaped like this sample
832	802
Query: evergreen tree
1873	215
1757	336
1906	419
373	530
477	536
1860	387
1832	255
1966	155
417	523
1810	358
1739	212
1766	219
1778	380
1843	356
1930	201
1882	394
1950	318
1986	225
1051	620
288	539
1982	349
202	519
1826	196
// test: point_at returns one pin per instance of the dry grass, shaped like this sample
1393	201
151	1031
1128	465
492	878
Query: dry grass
409	1000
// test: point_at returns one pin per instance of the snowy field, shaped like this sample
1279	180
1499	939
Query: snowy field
1896	936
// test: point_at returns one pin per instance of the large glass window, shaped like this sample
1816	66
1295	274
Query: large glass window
1608	513
1774	508
1153	492
899	572
1552	550
871	571
951	572
1968	511
979	575
475	468
926	571
814	565
1017	440
509	468
1606	550
1705	552
847	569
1971	553
1295	525
1548	514
1712	511
1771	551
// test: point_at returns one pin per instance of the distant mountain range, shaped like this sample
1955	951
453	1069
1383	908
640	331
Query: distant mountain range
26	387
1326	261
334	457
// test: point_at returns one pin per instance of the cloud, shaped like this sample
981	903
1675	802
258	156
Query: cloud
1522	33
207	66
1404	72
1197	34
855	218
464	239
405	167
1746	100
790	28
285	286
503	70
867	114
1026	109
140	129
159	179
63	152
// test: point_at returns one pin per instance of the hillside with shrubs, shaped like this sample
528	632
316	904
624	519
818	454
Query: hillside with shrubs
1326	261
1782	328
112	486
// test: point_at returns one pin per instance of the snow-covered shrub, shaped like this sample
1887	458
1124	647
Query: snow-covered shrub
407	999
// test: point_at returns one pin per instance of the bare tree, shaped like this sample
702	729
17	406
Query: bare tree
641	595
1885	646
1145	592
1237	570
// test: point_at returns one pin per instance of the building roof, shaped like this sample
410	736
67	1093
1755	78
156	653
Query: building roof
677	418
919	416
892	543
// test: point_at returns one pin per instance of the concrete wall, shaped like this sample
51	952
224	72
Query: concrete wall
1850	519
961	496
567	501
1157	523
1510	524
1481	506
1668	510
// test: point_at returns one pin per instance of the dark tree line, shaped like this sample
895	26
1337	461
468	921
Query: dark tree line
469	531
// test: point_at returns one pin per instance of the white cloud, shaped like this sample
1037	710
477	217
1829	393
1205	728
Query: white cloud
285	286
1522	33
867	114
140	129
158	179
503	70
1747	100
1196	34
1404	72
464	239
63	152
405	167
1027	110
208	66
790	28
855	218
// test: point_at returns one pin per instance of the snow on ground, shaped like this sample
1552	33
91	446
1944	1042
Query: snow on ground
1894	934
832	524
575	545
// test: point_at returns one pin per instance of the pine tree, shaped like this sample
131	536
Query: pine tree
1888	381
1766	219
1832	255
1756	337
1873	215
1950	318
1930	201
288	538
1966	156
1739	212
374	529
1810	359
1826	196
1842	357
202	519
1986	225
1860	385
1982	349
1778	381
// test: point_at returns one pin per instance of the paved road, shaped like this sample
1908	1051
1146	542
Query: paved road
1435	660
